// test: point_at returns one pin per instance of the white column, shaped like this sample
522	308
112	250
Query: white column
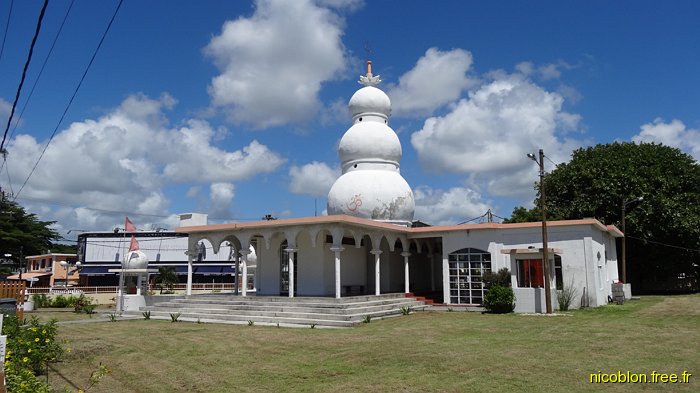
237	280
290	253
405	256
337	251
377	277
189	274
432	272
445	281
244	271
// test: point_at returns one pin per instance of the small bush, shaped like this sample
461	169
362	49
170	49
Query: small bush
405	310
367	319
174	317
146	315
113	317
502	278
41	300
82	304
59	301
566	295
499	300
251	322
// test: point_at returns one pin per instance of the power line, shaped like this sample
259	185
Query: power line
123	212
92	59
7	169
41	71
665	244
24	71
7	26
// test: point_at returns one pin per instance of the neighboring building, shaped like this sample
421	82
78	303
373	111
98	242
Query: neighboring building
101	251
367	244
46	270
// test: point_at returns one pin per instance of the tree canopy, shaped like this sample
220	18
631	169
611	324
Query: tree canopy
22	233
663	229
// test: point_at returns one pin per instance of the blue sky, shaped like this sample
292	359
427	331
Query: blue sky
236	108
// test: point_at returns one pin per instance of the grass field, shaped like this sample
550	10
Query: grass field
422	352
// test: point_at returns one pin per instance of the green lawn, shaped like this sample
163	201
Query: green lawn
422	352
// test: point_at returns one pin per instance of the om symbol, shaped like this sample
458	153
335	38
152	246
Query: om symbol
355	202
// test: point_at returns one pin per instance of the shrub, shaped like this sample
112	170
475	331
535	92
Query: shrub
499	300
29	348
82	303
59	301
174	317
566	295
502	278
41	300
146	315
405	310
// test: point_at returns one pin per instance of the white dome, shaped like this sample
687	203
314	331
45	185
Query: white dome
369	140
135	260
377	195
371	100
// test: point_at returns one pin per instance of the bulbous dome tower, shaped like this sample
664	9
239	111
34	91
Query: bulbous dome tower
371	185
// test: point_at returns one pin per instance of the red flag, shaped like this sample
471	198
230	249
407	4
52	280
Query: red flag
134	244
129	226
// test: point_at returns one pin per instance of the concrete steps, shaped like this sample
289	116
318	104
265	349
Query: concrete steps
285	311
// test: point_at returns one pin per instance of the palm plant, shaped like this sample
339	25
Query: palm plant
166	278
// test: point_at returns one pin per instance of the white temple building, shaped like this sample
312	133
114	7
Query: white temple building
367	244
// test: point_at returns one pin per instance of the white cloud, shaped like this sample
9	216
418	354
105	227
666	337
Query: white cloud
123	160
273	63
350	5
674	134
437	79
314	179
488	135
443	207
221	195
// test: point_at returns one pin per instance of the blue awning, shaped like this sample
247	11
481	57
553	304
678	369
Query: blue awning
205	270
97	270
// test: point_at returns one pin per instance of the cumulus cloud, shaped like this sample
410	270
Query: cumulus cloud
122	161
221	195
438	78
674	134
314	179
273	63
444	207
487	135
350	5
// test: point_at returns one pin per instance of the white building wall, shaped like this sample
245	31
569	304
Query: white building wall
580	246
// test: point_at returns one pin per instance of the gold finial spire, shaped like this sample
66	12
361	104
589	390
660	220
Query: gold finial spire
369	79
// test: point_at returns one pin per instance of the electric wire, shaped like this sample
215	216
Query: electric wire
124	212
550	160
41	71
7	169
70	102
664	244
24	71
7	26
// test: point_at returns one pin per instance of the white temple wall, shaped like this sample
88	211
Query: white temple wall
311	266
268	269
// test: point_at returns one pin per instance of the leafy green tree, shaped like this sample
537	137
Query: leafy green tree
166	278
596	183
22	233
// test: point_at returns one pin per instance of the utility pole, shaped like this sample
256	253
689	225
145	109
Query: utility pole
545	250
545	246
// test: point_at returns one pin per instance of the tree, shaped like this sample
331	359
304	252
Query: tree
663	230
22	233
166	278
